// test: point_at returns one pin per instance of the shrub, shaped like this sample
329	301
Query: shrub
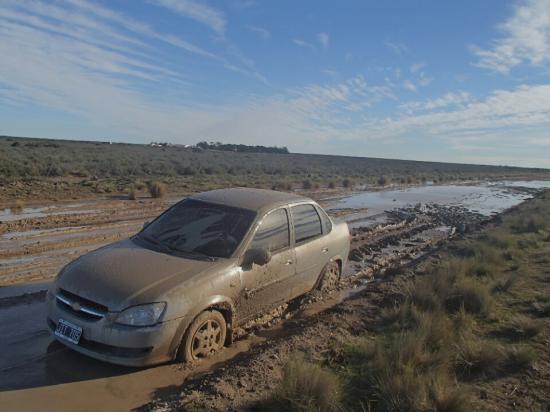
132	195
157	190
305	387
346	183
17	206
306	184
382	181
331	184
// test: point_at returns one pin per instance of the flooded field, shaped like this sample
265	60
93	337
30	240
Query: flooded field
390	227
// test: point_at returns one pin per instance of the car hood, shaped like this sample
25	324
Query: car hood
124	274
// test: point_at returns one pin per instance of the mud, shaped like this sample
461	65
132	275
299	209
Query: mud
39	373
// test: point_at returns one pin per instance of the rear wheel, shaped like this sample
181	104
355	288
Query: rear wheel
205	336
330	277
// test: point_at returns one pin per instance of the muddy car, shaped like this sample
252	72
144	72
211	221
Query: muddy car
211	262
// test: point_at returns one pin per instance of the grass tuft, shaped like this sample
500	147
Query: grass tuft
473	296
17	206
305	387
475	357
157	190
504	284
520	327
132	195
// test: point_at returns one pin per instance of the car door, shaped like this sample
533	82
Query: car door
311	247
267	286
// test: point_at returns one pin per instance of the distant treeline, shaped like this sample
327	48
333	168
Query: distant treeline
230	147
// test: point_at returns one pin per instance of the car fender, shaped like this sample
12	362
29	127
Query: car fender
220	302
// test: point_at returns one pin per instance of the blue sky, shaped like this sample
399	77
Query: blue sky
461	81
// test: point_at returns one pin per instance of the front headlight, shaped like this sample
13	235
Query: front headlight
142	315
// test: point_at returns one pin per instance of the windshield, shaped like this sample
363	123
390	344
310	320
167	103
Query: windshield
195	227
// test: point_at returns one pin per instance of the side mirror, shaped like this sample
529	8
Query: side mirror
260	257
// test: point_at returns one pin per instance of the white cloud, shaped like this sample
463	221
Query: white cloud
408	85
525	39
302	43
520	111
329	72
323	39
198	11
85	8
450	99
260	31
397	48
424	80
416	67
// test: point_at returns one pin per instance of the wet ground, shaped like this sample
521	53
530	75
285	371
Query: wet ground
389	229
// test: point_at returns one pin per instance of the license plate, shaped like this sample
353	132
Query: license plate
68	331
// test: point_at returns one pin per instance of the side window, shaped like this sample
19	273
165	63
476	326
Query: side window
273	233
307	223
327	224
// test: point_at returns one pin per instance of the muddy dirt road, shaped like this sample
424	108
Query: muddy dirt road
36	372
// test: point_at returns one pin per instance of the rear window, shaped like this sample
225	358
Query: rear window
327	224
307	223
273	233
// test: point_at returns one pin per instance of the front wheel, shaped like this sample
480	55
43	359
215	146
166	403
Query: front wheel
330	277
205	336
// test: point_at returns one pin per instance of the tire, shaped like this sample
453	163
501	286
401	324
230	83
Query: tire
330	277
204	337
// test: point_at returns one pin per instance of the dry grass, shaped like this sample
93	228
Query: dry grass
17	206
157	190
504	284
132	195
304	387
541	309
473	296
520	327
455	328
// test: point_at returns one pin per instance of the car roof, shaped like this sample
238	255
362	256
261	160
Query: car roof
258	200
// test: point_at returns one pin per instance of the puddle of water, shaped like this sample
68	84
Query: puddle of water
7	215
18	290
485	199
530	184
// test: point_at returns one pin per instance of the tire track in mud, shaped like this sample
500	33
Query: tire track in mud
36	248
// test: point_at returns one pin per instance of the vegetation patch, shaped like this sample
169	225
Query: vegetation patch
476	317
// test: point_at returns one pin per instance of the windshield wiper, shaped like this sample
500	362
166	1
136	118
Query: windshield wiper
169	248
196	254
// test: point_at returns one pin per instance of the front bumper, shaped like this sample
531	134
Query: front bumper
124	345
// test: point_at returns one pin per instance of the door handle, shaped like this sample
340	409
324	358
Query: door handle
288	262
324	250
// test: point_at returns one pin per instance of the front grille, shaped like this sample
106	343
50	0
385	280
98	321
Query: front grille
80	307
